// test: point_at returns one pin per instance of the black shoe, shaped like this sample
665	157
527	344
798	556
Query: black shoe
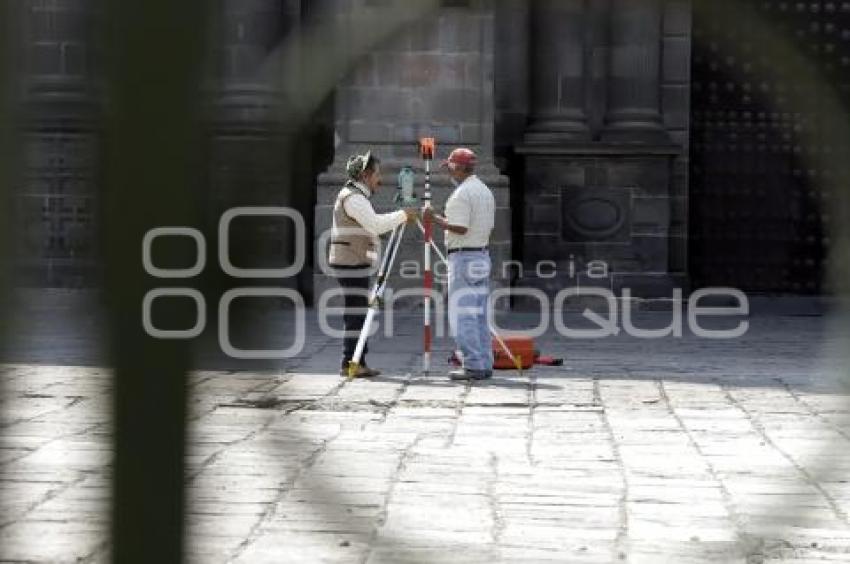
467	374
483	374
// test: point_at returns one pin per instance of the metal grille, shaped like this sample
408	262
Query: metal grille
758	206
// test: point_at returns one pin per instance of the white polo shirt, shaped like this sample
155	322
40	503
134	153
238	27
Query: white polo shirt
471	205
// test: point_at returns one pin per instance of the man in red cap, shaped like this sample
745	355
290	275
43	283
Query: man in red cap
469	220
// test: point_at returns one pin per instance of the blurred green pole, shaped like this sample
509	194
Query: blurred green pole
10	47
10	141
9	128
9	44
6	130
153	172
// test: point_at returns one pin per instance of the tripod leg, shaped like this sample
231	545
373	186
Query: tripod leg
392	254
374	301
354	365
384	261
434	245
516	360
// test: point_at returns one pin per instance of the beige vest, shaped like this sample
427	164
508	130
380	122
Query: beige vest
351	245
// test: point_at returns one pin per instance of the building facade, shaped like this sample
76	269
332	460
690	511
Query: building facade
642	144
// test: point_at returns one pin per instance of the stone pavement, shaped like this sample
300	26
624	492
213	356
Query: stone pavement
644	451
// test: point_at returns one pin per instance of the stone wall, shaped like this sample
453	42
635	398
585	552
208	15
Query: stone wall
607	204
605	151
250	143
676	114
56	201
433	79
531	86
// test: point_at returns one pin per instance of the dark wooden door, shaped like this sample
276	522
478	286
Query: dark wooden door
760	145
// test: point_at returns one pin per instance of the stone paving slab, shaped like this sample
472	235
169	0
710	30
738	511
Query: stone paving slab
683	451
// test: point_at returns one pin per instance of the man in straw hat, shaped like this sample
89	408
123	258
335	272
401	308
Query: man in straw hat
353	249
470	216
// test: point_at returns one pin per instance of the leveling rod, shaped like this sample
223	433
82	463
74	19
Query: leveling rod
427	147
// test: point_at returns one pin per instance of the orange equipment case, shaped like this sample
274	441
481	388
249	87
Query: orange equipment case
521	347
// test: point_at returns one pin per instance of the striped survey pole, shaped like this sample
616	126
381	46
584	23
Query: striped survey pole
426	147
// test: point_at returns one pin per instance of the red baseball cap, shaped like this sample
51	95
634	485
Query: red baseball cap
461	156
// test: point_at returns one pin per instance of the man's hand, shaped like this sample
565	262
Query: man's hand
440	221
412	214
429	214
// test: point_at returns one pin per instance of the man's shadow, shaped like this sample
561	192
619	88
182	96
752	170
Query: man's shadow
443	381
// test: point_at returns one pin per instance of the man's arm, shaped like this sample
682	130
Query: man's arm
458	215
361	211
442	221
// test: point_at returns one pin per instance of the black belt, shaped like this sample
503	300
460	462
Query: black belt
350	266
465	249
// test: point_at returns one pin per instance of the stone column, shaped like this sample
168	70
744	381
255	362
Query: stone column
250	153
558	72
634	79
512	78
56	204
610	203
433	78
247	90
